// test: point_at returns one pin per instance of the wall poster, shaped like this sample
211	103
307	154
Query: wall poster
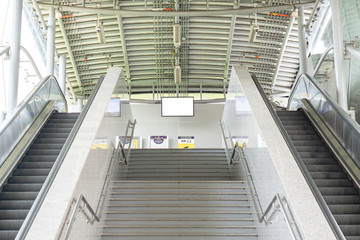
241	140
136	142
158	142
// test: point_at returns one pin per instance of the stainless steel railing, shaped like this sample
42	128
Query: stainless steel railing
236	156
95	215
277	204
118	155
123	157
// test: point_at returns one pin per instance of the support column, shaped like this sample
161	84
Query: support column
14	57
50	47
339	54
80	104
62	73
302	41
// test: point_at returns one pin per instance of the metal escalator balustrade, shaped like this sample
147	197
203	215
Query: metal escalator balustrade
16	125
25	181
336	187
177	194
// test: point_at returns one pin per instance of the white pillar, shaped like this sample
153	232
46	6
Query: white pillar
80	104
302	41
341	89
14	57
50	47
2	116
62	73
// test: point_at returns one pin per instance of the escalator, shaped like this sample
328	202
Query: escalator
25	181
338	190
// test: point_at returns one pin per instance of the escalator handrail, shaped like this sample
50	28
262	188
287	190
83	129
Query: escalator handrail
355	127
50	178
319	198
27	99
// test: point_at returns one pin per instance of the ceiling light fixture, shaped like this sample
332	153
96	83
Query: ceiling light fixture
254	28
100	31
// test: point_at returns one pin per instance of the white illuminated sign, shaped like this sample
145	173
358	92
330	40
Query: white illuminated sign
177	107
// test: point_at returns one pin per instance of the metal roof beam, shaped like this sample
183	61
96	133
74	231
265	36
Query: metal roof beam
238	11
68	47
123	46
282	51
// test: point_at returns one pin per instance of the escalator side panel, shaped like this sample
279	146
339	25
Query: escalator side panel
335	185
25	181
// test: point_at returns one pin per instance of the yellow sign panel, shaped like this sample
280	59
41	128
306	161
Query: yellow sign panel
100	143
186	142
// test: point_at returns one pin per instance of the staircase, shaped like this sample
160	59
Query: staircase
25	181
338	190
178	194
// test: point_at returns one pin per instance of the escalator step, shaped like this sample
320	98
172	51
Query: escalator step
351	199
59	125
65	115
347	219
38	165
301	132
50	140
345	209
315	154
298	127
312	149
57	146
333	183
18	195
13	214
324	168
304	137
30	187
350	230
27	179
42	158
10	224
61	120
328	175
15	204
43	152
53	135
308	143
8	234
31	172
331	191
320	161
56	130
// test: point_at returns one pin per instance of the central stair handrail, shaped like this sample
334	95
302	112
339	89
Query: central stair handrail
229	155
118	155
277	204
95	215
315	190
238	156
120	149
